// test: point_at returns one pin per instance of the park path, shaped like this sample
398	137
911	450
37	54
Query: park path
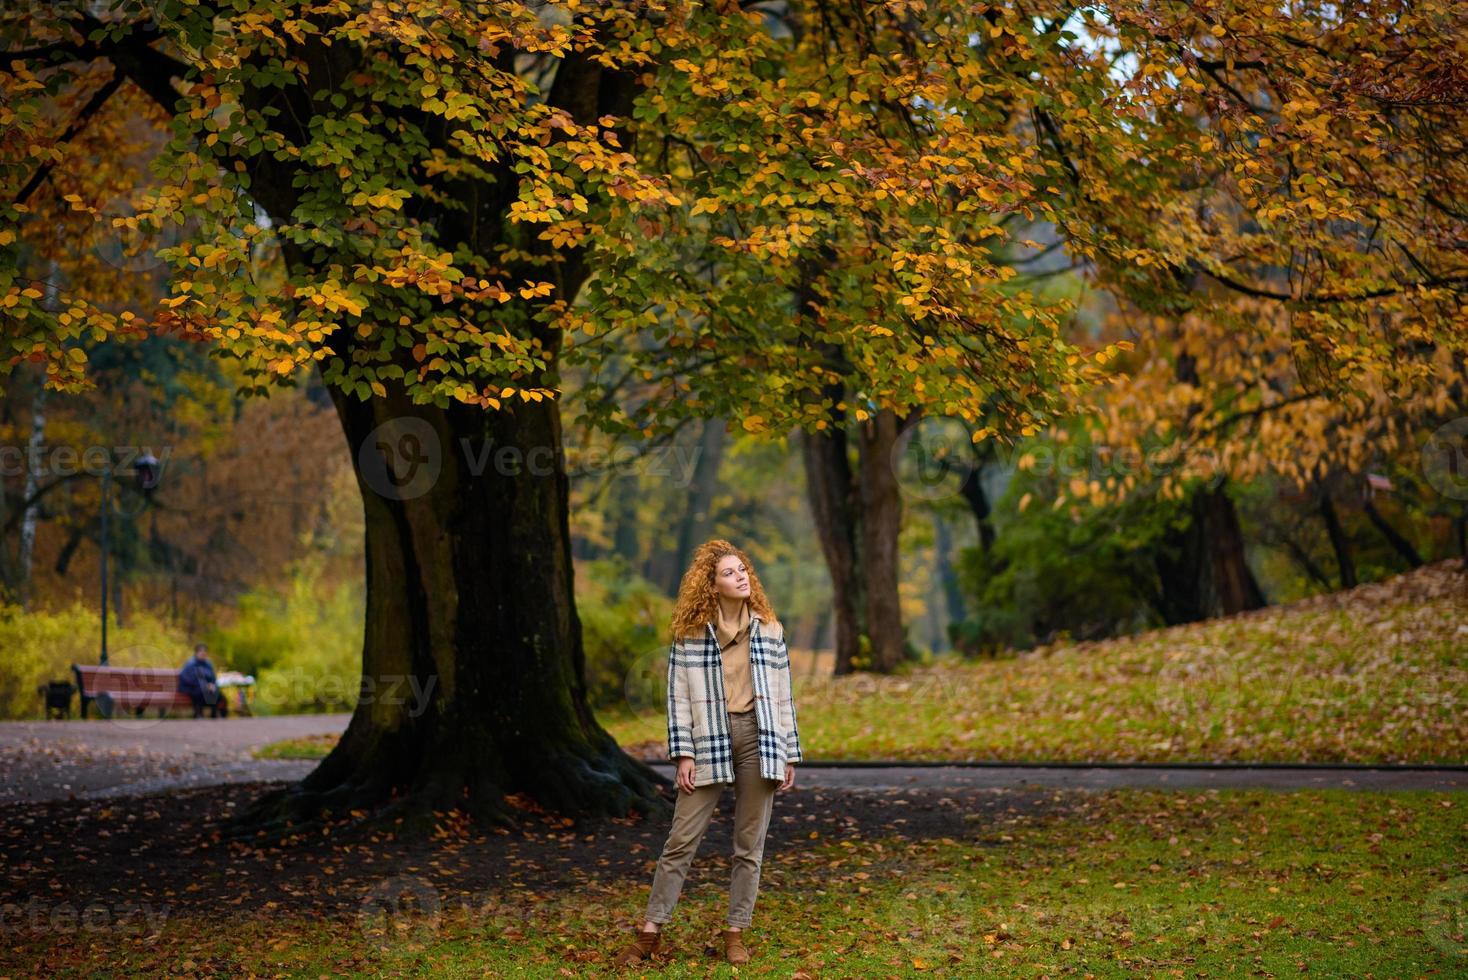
60	760
123	756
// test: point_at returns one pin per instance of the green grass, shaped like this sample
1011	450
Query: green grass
304	747
1374	674
1132	884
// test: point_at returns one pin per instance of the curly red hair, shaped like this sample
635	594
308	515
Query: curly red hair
698	600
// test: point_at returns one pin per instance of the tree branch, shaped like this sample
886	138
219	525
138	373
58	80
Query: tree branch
147	68
1324	297
132	58
94	104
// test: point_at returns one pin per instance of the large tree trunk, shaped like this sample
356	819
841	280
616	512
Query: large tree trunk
834	506
1233	583
857	519
829	487
1201	568
473	679
469	583
881	520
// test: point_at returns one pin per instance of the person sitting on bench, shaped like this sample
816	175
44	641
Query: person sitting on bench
197	680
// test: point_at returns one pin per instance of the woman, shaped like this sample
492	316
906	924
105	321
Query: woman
731	719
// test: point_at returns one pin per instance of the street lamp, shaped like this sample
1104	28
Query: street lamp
146	471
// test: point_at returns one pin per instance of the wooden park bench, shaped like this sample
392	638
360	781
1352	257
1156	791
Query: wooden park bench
129	689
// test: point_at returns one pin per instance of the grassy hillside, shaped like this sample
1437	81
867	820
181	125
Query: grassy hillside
1378	673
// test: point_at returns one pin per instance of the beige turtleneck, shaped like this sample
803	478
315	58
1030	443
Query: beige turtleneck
738	684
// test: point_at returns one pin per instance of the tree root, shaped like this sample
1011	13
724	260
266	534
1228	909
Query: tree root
605	784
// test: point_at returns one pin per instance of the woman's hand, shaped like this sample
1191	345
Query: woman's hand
685	773
789	776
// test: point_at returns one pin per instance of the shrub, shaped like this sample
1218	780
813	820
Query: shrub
41	646
303	643
1076	570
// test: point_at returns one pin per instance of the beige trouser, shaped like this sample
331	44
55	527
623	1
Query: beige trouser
754	798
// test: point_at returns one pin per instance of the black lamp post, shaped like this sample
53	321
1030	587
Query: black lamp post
146	471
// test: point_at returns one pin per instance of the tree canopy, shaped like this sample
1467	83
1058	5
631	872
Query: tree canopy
405	193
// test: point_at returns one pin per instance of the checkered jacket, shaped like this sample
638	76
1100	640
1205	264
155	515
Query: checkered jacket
698	716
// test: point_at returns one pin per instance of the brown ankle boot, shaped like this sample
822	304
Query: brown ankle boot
734	950
641	948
